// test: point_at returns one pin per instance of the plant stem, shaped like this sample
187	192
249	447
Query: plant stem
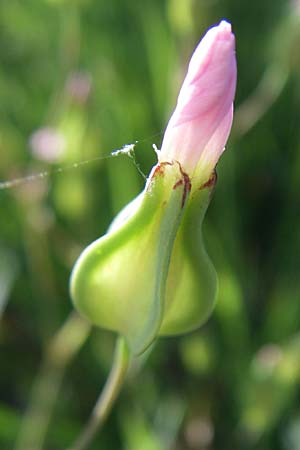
61	349
107	397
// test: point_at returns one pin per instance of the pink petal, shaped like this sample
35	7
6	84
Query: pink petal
205	99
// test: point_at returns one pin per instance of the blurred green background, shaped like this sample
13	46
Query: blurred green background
79	79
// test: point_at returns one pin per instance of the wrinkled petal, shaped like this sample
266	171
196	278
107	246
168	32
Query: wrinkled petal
216	145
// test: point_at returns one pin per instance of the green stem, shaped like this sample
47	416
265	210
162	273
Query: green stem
107	397
62	348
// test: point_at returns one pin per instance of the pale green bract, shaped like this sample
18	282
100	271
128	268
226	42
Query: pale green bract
150	274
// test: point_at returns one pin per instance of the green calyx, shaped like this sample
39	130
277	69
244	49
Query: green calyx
192	280
150	274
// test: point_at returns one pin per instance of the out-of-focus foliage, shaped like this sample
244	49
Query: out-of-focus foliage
78	79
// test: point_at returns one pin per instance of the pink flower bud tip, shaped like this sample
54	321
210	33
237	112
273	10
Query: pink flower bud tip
199	127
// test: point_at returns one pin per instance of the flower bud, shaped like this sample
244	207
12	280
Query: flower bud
150	275
199	127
